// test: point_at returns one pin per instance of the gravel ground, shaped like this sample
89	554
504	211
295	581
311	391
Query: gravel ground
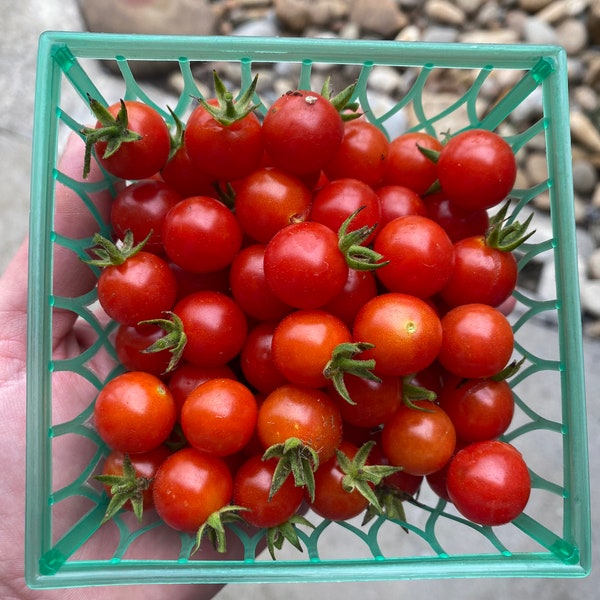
572	23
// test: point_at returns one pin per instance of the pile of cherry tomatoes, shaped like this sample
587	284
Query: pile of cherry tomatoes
309	314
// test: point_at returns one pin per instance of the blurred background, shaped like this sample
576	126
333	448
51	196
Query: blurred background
574	24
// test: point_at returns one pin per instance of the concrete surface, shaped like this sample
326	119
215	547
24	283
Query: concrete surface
22	24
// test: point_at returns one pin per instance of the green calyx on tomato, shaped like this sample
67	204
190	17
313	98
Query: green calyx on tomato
174	339
114	131
411	393
341	101
228	110
278	534
342	362
360	476
358	257
296	459
391	501
123	488
504	236
110	254
214	527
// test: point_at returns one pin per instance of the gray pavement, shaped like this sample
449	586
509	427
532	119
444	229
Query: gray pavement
22	24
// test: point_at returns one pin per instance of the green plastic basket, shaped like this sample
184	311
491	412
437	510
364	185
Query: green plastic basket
64	509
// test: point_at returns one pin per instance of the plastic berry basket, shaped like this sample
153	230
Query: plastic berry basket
64	507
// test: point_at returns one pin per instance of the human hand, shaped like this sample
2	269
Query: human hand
71	394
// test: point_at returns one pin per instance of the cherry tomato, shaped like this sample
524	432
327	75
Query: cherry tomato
456	222
420	255
302	130
420	440
309	414
215	327
489	482
406	165
251	489
249	286
340	198
361	154
201	235
130	343
405	330
134	412
223	152
476	169
145	464
141	158
477	341
481	409
219	416
331	500
142	207
303	344
481	274
141	288
256	359
304	266
182	174
268	200
189	486
398	201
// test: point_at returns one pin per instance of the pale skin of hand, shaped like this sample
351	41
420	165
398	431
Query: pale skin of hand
71	277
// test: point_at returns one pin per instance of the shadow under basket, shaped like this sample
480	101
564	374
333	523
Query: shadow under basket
65	506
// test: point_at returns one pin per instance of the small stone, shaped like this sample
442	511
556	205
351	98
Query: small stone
533	6
590	296
490	15
584	131
593	264
410	33
470	7
497	36
386	80
560	9
571	34
596	197
445	12
586	98
585	177
537	31
387	20
537	168
440	34
592	329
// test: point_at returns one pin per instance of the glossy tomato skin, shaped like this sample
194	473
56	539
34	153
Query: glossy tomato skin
419	441
219	416
406	165
201	235
145	464
398	201
476	169
251	488
182	175
420	255
223	152
331	500
477	341
481	409
489	482
141	207
134	412
304	266
308	414
374	401
256	359
249	287
405	330
302	131
339	199
268	200
130	343
359	288
142	158
141	288
187	377
457	222
361	154
303	344
481	274
190	486
215	327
